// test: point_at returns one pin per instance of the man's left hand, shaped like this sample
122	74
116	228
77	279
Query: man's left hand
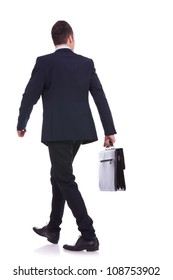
21	133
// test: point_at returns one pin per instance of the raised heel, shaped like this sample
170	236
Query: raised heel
53	240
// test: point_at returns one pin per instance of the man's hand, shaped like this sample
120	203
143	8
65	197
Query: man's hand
109	139
21	133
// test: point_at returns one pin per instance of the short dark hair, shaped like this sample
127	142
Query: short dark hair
60	32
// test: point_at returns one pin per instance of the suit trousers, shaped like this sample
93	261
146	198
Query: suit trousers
65	189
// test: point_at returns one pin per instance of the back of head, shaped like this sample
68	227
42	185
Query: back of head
60	32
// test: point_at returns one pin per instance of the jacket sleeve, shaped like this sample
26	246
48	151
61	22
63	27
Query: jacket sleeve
31	95
101	102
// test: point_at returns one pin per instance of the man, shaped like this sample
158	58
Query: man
64	79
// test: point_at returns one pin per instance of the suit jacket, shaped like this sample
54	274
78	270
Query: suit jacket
64	79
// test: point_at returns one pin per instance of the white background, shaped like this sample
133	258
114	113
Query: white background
131	44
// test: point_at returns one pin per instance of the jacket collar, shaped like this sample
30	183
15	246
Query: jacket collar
64	51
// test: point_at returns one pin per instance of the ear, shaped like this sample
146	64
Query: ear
70	38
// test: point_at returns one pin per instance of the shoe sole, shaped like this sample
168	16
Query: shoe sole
81	249
92	250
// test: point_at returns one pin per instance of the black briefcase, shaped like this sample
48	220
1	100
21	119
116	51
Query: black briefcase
111	170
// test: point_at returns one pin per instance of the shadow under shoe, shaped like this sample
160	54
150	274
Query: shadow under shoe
52	237
82	244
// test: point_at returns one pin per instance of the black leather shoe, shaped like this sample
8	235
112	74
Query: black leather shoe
52	237
83	244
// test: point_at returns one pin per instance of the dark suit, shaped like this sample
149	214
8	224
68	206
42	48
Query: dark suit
64	80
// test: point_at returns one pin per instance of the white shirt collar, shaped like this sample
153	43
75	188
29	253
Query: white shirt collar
62	47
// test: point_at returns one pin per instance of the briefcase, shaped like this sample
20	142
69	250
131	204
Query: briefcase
111	170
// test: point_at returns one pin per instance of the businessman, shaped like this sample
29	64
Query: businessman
64	80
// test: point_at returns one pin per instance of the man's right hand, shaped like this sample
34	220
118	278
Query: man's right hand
109	139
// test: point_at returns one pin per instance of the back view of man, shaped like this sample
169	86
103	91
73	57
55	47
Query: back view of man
64	80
